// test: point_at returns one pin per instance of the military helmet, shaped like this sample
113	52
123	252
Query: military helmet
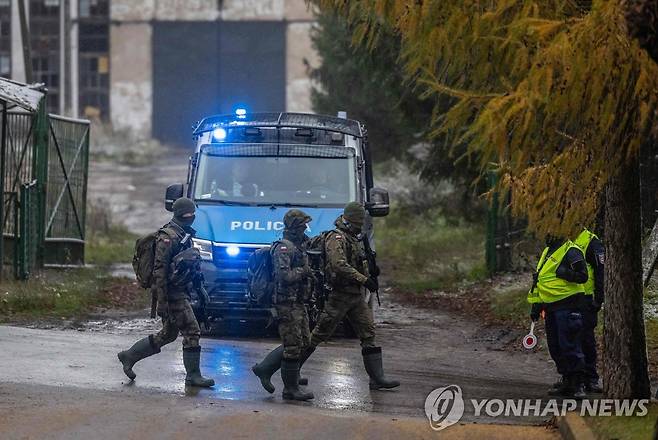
354	213
183	207
295	218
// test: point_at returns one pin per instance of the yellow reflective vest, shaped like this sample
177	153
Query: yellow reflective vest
582	241
549	287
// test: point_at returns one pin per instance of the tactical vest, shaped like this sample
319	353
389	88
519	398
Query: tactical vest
294	291
582	241
550	288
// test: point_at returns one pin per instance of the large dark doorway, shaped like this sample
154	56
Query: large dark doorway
205	68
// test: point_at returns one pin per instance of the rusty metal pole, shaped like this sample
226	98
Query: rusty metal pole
25	39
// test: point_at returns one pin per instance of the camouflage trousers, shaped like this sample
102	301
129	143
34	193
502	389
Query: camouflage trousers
338	306
178	318
292	320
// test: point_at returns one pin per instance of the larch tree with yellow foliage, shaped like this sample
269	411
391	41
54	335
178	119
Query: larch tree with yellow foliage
558	98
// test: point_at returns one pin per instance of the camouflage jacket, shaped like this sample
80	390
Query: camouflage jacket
167	245
346	266
290	266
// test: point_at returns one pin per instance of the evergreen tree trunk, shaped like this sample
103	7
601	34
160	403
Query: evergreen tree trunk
625	373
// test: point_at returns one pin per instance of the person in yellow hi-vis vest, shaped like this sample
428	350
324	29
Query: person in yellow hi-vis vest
594	252
557	290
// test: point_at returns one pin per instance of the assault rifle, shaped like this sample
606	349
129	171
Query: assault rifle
373	269
320	290
204	298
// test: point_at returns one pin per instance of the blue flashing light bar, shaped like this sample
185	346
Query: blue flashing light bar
219	134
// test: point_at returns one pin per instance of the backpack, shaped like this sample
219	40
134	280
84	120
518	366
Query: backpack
144	258
318	243
260	275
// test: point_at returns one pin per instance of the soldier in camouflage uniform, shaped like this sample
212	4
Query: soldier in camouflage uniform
173	301
292	275
346	270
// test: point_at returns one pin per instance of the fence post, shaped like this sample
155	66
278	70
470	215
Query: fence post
40	173
3	161
492	225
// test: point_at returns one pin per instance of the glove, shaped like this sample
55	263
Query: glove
535	311
371	284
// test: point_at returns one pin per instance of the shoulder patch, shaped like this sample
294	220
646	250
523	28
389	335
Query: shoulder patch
283	248
339	237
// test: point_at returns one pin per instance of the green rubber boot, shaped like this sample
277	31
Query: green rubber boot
290	377
372	360
267	367
140	350
191	358
271	364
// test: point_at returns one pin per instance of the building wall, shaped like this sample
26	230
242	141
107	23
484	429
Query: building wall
131	49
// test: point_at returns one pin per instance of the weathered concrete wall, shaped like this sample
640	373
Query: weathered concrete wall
131	79
253	10
296	10
192	10
132	10
299	56
131	87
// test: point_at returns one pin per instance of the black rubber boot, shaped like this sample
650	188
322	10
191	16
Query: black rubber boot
372	360
140	350
267	367
191	358
290	377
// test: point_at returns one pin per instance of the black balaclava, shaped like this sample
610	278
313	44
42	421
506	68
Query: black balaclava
184	212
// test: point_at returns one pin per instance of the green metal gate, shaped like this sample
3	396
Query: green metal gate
43	181
66	190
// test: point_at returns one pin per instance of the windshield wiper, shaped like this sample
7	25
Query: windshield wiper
290	205
225	202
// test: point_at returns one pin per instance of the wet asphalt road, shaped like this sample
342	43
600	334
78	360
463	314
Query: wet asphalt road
424	350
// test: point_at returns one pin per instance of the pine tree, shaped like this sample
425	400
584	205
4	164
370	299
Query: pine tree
555	96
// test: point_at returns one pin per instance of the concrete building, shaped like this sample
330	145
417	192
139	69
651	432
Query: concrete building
154	67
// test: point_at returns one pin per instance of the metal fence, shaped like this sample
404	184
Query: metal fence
44	190
66	190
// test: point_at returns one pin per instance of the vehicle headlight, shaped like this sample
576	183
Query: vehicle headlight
232	251
204	247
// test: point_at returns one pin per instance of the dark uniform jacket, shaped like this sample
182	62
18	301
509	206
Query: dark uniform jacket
346	265
167	245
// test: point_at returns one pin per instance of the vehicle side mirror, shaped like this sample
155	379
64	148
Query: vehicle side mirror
379	203
173	193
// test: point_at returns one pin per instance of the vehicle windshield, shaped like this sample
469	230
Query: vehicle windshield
264	174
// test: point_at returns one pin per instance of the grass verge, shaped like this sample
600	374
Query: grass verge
425	252
620	427
66	294
110	246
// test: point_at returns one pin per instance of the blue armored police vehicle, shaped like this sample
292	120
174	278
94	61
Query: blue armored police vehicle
248	170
